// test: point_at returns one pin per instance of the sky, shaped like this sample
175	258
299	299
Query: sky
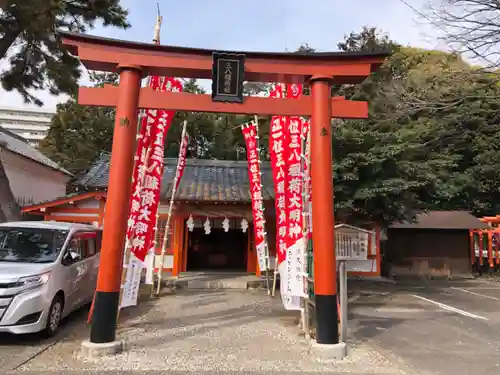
260	25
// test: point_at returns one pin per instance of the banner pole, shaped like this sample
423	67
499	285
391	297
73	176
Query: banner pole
169	215
305	194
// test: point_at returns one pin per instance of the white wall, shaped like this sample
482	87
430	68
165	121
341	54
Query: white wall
30	180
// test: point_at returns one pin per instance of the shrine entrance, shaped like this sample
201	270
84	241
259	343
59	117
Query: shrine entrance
218	251
320	71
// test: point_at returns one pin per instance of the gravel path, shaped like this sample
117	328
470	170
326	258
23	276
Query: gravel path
213	332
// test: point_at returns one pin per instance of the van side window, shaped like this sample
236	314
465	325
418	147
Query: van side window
82	245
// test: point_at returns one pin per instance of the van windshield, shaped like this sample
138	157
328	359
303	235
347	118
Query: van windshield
31	245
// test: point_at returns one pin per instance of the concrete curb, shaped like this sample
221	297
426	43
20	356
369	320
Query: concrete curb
327	352
91	350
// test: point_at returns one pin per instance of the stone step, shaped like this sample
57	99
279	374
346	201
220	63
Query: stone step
235	284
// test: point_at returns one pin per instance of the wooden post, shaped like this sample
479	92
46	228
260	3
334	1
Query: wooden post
107	296
170	208
490	250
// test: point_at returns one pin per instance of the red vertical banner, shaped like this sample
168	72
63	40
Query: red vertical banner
144	138
254	174
148	191
277	146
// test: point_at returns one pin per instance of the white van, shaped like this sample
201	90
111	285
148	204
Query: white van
48	269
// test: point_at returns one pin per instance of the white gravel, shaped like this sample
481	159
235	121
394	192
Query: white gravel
212	331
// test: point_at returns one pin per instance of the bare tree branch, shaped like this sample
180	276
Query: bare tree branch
470	26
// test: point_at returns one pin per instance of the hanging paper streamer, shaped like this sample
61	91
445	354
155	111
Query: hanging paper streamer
190	223
250	136
244	225
225	225
207	227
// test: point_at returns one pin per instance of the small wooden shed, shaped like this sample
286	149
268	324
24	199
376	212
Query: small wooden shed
436	244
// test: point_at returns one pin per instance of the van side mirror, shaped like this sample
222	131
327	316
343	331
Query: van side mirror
70	257
66	259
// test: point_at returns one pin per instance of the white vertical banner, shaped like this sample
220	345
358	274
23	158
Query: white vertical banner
289	302
262	255
130	288
296	268
149	265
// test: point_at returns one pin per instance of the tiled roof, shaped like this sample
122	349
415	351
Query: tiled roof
18	145
203	180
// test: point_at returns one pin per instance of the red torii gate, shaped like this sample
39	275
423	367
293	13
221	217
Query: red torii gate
136	60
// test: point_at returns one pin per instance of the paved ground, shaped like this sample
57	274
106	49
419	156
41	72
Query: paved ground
433	328
17	350
438	328
210	332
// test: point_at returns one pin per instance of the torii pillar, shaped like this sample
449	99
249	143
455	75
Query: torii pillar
325	269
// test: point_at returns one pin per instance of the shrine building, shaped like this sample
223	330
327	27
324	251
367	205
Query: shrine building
213	191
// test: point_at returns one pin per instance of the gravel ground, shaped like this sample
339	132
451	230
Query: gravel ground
213	332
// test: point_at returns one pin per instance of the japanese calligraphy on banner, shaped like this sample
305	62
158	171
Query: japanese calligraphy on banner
295	270
131	283
250	136
148	120
277	147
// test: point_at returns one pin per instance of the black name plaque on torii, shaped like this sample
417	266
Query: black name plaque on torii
228	71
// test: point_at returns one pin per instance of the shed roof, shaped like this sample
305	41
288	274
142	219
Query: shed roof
443	220
203	180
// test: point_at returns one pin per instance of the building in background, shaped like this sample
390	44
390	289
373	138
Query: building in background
33	177
31	124
436	244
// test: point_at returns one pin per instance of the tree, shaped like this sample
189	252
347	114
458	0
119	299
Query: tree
430	141
33	49
78	134
382	171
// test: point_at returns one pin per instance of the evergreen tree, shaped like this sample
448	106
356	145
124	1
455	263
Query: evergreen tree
30	43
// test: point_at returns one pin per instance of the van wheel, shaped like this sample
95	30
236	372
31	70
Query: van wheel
54	317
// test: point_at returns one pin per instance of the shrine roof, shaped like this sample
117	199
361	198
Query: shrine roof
337	55
203	180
